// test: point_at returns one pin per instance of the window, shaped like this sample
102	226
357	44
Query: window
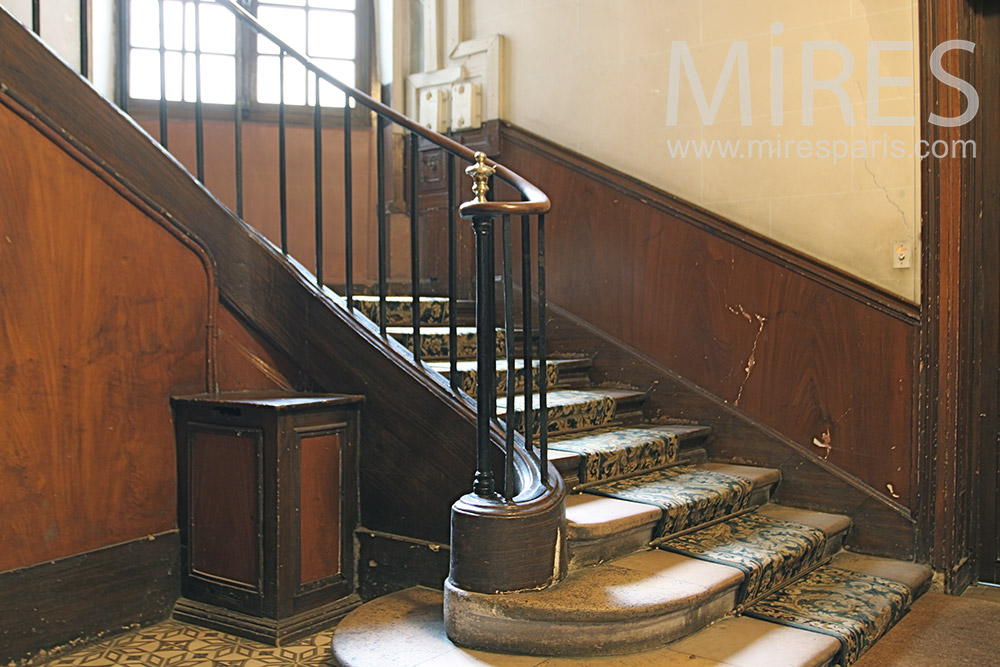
329	32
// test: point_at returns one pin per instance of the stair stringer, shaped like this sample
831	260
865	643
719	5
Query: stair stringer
418	437
881	527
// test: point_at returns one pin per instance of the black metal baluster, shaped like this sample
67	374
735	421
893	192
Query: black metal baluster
36	17
85	40
486	357
348	205
238	122
199	120
452	277
529	424
383	260
414	247
318	180
543	407
282	185
163	77
508	319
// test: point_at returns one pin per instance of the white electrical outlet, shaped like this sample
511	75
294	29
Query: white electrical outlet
901	255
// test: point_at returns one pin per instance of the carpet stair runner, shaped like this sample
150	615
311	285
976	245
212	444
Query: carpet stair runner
666	549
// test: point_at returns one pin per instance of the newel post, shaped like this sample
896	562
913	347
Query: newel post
497	544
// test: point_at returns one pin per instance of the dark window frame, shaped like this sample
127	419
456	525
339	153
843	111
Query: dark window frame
246	45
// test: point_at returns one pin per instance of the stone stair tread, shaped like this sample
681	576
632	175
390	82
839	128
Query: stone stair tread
915	575
571	397
614	452
590	517
751	642
691	495
849	599
406	629
768	547
631	604
831	524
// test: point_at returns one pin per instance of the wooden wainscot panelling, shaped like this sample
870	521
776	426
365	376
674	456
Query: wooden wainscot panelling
795	365
107	311
812	353
247	362
55	606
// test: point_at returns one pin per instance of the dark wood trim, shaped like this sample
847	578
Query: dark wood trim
948	356
881	526
388	563
782	255
59	605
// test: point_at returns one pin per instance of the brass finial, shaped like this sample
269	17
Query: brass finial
480	173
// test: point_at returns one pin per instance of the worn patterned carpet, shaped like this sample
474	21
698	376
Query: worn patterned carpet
855	608
688	496
769	551
609	454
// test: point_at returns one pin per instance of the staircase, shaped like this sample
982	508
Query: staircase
669	554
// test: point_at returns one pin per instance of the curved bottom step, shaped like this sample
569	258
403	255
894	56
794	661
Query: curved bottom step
406	629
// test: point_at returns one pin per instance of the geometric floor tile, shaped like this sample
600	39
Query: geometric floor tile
173	644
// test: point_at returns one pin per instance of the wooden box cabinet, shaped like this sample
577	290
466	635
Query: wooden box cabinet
267	507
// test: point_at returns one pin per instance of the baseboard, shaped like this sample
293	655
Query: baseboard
265	630
54	607
389	563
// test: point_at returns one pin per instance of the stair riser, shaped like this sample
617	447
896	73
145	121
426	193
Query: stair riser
468	380
472	623
437	346
400	313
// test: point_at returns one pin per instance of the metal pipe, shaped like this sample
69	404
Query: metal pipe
282	176
348	204
383	259
508	319
528	427
452	277
318	183
484	484
543	408
199	120
414	248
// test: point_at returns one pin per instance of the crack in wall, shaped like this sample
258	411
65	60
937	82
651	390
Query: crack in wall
752	359
825	441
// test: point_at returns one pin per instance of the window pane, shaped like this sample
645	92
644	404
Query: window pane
287	24
218	29
268	77
188	25
173	22
174	75
218	83
332	4
144	74
331	34
330	95
190	83
292	3
145	24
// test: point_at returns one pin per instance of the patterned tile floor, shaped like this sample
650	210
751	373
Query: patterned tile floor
173	644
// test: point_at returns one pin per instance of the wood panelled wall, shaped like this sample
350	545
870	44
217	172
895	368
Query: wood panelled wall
823	359
105	315
107	312
261	207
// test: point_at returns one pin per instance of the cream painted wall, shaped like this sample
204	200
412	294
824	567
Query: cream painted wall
594	75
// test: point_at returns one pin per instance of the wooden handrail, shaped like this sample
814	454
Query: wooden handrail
534	200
